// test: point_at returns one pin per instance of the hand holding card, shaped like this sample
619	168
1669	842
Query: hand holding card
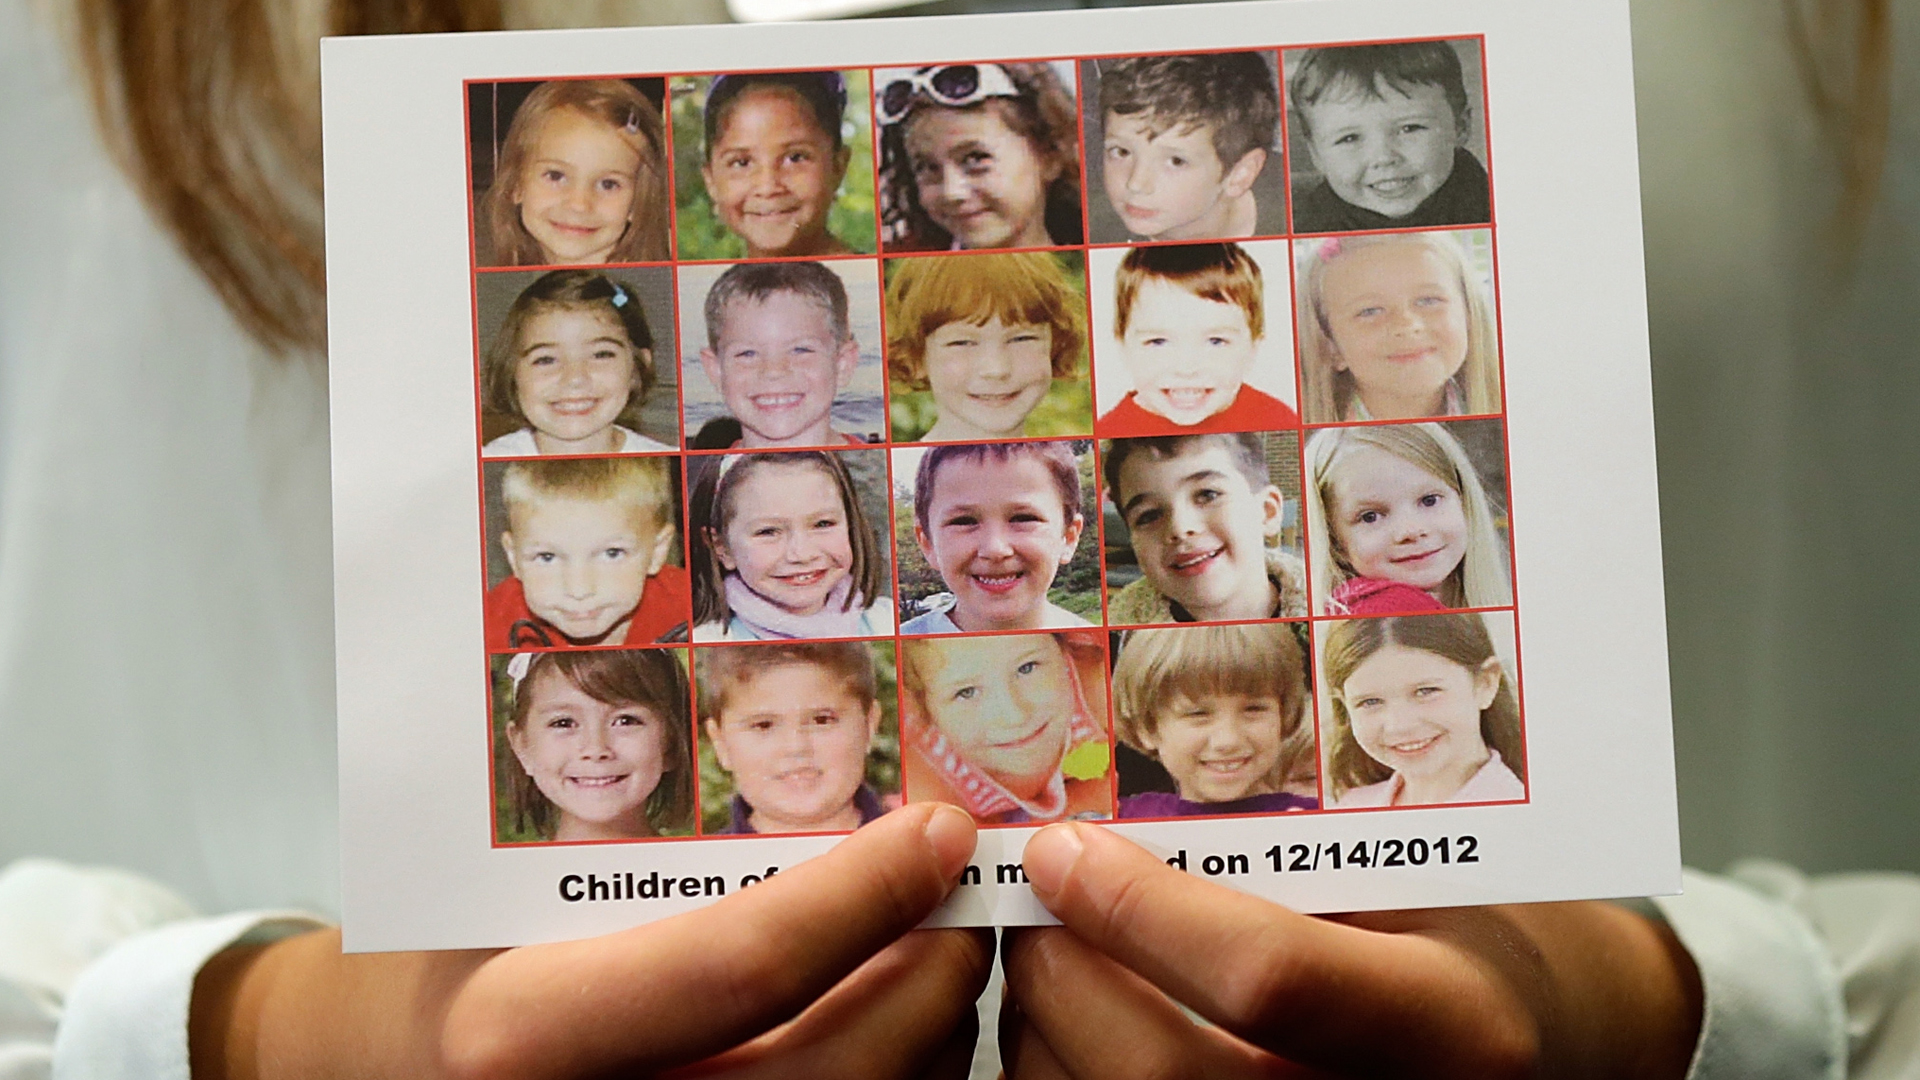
1581	989
743	974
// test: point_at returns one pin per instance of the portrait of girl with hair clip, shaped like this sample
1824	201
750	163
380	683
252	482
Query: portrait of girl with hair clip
597	745
783	548
1395	327
1399	522
1421	710
579	178
978	156
572	364
784	167
1011	728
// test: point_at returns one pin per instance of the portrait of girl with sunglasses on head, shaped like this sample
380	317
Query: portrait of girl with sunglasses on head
978	156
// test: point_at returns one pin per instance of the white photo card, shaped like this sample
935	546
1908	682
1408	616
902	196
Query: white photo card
742	431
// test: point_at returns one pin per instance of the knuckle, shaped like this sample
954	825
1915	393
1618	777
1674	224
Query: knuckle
1258	981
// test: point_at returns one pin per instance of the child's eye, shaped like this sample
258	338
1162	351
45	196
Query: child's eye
612	183
632	719
1367	703
553	176
1207	495
1153	342
1430	301
1145	518
1412	128
560	722
1425	691
966	693
958	343
1118	153
736	161
827	523
824	718
1024	337
1373	312
1177	162
608	353
541	359
760	724
745	356
1028	668
800	157
766	530
1368	517
976	162
1346	140
1219	342
544	557
615	553
1431	499
1025	517
926	171
962	521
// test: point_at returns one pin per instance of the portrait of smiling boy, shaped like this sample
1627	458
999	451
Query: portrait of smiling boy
781	353
1389	134
1206	524
1186	147
1188	329
792	724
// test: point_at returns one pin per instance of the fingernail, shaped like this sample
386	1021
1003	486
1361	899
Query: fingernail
1050	857
951	833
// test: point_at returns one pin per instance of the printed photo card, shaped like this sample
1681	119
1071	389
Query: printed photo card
1227	423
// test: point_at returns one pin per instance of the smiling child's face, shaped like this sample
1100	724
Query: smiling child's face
1187	354
1006	703
1394	520
1418	713
979	179
1220	747
1386	151
1398	322
584	563
576	191
987	377
1199	532
596	763
789	539
795	739
1170	184
573	375
778	366
997	532
772	173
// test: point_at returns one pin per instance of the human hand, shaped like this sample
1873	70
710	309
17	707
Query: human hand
1561	990
806	973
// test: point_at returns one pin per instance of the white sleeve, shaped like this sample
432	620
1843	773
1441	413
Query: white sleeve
1805	978
97	970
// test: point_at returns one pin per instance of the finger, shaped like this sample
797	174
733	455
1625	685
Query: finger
891	1018
1309	990
1024	1055
688	987
1095	1019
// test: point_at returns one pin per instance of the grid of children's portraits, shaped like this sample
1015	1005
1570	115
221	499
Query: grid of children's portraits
1100	437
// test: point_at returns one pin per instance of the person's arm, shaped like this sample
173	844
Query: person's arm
807	973
1561	990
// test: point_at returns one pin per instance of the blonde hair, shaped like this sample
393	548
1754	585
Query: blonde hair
641	484
1481	579
632	119
1460	637
925	294
1160	667
1330	395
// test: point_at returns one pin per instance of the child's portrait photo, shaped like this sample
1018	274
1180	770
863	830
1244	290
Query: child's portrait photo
996	536
796	736
569	172
782	354
1397	326
591	746
789	544
1011	728
976	156
1192	338
1184	147
770	164
584	551
1417	710
575	362
990	346
1203	528
1214	720
1407	518
1387	136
